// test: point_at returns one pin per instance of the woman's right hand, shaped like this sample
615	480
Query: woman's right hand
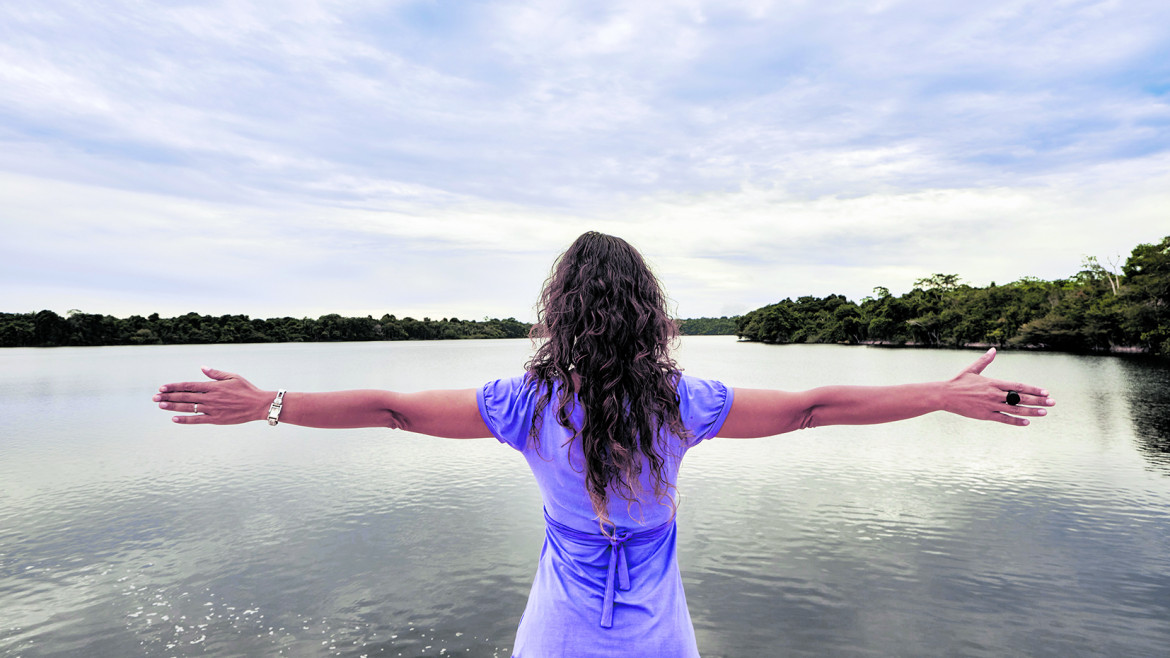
227	399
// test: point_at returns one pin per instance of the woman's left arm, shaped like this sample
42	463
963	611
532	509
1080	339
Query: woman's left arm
757	413
229	399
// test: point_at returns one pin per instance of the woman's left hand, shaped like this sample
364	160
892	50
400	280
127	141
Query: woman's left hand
227	399
972	395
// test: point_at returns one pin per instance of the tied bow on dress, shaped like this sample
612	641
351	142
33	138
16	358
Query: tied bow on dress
618	571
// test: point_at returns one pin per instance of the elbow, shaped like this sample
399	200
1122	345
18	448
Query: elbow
396	420
808	418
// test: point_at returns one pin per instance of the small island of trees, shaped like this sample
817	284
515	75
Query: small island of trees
1098	309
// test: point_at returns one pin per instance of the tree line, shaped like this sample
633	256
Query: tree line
48	329
723	326
1119	307
1100	308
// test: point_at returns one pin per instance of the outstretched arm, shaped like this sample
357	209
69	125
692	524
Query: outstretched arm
228	399
755	413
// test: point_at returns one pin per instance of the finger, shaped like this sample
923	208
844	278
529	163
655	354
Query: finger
189	387
1024	411
183	407
179	397
1009	420
982	362
1034	400
197	419
218	374
1018	387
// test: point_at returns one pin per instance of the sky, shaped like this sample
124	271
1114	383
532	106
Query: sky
298	158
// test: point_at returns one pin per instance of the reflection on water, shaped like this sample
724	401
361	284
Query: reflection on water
1147	393
122	534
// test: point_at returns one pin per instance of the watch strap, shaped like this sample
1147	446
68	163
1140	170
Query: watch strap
274	410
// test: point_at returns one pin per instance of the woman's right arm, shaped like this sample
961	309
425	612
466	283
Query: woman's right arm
757	413
229	399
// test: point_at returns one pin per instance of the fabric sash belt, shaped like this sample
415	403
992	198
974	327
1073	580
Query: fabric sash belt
617	555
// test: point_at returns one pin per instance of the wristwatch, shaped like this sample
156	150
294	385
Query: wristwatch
274	410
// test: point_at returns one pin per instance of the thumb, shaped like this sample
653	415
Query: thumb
982	362
217	374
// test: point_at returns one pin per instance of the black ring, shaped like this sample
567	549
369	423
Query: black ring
1013	398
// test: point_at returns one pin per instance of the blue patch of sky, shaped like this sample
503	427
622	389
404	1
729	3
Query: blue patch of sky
20	127
728	76
87	137
1143	145
1003	157
1148	73
437	18
748	60
1059	135
1057	143
1041	143
954	83
444	36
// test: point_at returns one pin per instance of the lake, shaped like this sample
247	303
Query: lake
123	534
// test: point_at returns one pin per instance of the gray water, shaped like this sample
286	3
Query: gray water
122	534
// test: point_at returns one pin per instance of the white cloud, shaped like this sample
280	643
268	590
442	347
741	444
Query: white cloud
179	156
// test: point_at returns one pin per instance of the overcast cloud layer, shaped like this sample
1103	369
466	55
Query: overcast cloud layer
430	158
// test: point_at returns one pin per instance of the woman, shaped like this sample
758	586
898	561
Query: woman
604	416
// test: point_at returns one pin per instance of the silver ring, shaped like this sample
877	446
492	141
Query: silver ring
196	409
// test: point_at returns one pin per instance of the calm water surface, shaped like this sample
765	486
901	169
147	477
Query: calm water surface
122	534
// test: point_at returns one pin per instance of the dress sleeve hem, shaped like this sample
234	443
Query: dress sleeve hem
727	400
481	402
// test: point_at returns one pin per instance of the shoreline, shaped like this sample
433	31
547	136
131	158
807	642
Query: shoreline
1113	350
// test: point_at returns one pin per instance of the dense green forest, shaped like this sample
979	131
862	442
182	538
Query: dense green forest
723	326
1097	309
48	329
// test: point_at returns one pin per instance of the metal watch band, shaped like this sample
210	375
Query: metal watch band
274	410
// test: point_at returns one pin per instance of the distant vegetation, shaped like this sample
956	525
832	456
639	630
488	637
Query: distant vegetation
1113	307
47	329
1100	308
723	326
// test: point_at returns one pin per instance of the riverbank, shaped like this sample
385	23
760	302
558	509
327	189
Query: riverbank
1110	350
47	329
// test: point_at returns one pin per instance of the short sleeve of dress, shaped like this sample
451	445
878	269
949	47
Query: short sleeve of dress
506	406
704	405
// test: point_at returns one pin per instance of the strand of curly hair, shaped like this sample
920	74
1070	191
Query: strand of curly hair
602	316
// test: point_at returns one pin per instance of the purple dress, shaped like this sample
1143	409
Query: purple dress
595	595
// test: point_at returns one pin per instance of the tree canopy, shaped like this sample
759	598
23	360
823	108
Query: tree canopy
1096	309
48	329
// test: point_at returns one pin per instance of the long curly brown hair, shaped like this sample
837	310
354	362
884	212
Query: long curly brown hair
602	316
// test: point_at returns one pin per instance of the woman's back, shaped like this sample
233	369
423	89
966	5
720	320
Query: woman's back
603	328
617	592
508	407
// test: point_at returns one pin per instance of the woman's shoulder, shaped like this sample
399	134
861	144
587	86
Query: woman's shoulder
703	405
510	388
507	406
693	383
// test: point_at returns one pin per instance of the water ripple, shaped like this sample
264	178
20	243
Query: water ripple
933	537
